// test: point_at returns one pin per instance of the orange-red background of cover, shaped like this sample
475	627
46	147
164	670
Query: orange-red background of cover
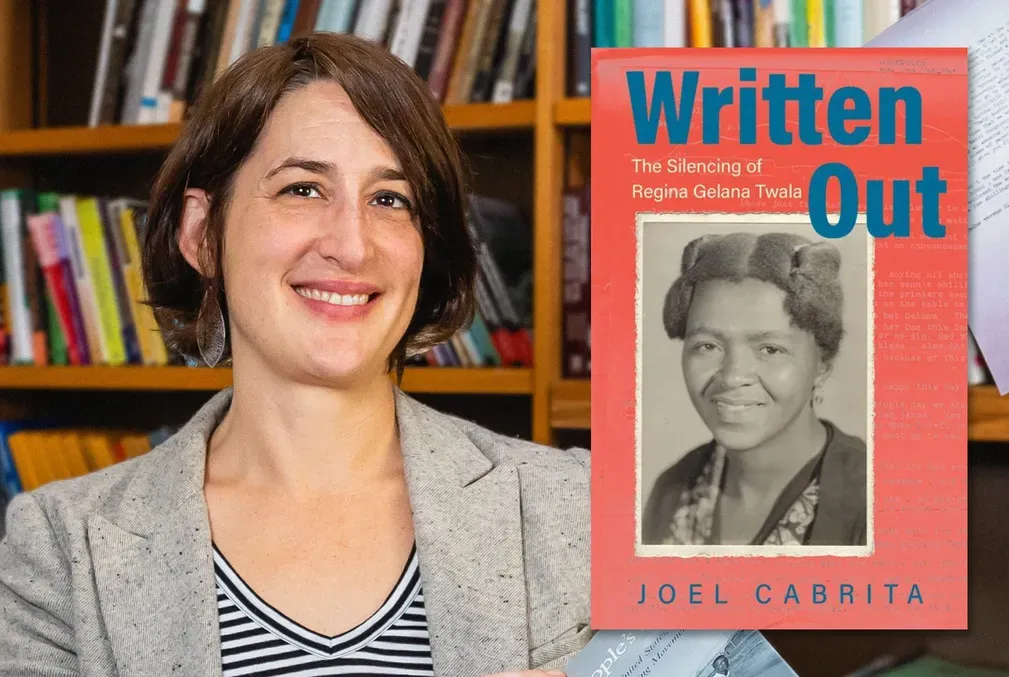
920	521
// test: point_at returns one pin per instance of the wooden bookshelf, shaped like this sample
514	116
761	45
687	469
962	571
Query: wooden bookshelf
417	380
573	112
489	117
76	140
987	415
570	404
35	152
484	117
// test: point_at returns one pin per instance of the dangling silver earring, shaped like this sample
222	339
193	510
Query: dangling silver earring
210	330
817	397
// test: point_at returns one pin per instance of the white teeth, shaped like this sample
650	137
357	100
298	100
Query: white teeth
332	297
726	408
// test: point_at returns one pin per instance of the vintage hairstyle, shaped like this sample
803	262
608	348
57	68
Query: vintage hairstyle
223	130
806	271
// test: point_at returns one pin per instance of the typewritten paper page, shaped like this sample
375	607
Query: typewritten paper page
982	26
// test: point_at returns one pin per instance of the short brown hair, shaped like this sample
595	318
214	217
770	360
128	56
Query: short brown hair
222	131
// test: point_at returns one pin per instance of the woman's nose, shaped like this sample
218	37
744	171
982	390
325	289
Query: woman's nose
738	367
344	236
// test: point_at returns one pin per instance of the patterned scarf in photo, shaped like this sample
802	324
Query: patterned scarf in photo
692	522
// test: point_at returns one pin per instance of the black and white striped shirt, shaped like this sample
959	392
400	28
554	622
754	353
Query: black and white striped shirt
258	640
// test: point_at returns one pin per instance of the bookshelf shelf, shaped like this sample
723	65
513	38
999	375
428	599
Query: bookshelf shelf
988	415
491	116
988	412
139	138
78	140
452	380
434	380
570	404
573	112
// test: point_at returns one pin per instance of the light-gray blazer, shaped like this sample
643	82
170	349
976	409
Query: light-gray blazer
112	573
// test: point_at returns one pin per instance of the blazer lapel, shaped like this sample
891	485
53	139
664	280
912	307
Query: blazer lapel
158	598
468	525
153	562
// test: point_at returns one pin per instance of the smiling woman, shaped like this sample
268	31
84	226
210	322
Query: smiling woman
308	228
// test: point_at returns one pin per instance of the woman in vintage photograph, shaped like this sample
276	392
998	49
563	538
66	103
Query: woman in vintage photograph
720	666
308	227
760	320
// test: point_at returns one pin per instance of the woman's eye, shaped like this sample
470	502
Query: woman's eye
392	201
303	190
772	350
705	347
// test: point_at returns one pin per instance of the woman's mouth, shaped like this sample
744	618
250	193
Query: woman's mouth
333	298
727	408
736	410
341	301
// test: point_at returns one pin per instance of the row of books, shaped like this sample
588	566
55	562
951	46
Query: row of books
501	333
154	56
722	23
71	287
36	452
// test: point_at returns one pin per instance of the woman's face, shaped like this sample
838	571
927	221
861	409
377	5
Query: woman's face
749	371
322	255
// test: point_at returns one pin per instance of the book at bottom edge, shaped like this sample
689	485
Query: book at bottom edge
678	653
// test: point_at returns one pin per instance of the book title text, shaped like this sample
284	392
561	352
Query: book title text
850	113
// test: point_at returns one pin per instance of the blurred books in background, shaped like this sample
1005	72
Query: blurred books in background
722	23
155	56
72	290
34	453
501	333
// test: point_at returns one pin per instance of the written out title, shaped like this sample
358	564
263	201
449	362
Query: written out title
850	113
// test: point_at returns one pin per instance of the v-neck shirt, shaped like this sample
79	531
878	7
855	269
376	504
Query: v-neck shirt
260	641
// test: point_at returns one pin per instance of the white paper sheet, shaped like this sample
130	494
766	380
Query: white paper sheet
983	27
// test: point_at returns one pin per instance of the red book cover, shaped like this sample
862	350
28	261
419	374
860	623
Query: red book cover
59	281
779	401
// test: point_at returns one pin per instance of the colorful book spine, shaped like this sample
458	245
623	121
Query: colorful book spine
798	34
152	345
21	350
287	21
782	22
80	266
109	211
763	23
816	23
59	282
604	30
848	28
93	239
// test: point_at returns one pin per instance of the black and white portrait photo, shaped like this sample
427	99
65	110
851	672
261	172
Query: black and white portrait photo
754	381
